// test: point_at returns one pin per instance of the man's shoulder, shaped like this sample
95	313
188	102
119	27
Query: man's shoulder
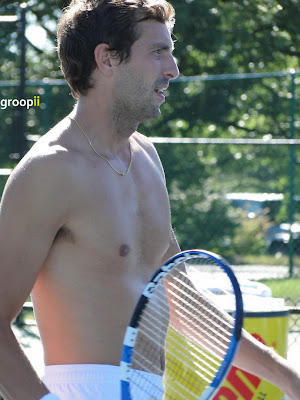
49	160
145	143
43	184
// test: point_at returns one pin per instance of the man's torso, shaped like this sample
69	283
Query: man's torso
117	232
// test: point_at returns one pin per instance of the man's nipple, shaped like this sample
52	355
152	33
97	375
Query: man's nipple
124	250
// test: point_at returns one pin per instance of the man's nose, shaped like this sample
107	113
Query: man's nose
171	70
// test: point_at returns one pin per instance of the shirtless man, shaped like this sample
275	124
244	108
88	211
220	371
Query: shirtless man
85	216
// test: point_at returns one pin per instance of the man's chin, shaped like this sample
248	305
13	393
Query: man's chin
155	113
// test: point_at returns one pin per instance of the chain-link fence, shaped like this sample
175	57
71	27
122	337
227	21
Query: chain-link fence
231	156
251	229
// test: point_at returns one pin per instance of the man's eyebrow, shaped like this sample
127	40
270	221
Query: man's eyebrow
163	46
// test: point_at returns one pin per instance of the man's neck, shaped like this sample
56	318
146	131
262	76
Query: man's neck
95	119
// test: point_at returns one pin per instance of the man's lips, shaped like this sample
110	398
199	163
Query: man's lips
160	94
160	91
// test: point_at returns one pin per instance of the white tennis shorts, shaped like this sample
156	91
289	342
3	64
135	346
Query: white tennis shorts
95	382
83	381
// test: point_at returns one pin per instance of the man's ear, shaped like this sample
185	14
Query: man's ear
103	59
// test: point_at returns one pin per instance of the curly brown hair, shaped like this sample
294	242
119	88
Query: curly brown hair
86	23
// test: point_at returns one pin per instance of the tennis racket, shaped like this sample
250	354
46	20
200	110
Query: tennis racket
184	331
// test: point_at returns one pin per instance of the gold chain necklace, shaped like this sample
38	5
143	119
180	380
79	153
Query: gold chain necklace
100	155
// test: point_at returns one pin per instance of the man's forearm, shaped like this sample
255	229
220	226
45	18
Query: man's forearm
18	379
260	360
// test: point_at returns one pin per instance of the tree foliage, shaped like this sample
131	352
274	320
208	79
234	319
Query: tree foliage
213	37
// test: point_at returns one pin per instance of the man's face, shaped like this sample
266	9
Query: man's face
139	82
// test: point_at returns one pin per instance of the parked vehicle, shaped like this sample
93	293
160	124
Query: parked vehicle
278	237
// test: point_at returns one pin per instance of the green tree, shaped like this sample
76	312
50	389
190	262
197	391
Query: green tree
213	37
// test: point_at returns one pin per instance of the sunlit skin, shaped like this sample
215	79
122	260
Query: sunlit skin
138	83
102	235
122	232
78	235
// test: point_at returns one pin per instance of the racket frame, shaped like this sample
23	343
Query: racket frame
133	326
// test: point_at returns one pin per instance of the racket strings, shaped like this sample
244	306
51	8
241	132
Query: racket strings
183	337
142	381
203	337
208	364
190	309
209	320
154	313
144	353
193	296
146	358
206	326
193	300
187	282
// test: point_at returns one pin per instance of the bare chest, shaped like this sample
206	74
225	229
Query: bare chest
124	218
116	235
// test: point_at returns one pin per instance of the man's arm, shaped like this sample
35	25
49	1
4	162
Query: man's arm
33	208
260	360
172	249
